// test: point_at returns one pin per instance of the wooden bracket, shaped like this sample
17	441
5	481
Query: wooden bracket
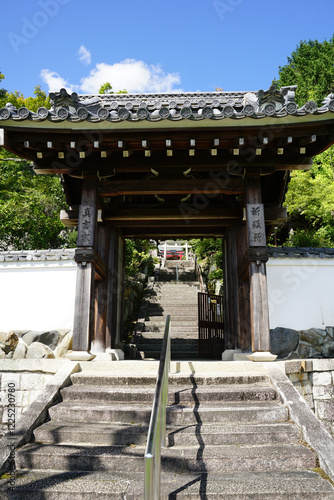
83	255
253	254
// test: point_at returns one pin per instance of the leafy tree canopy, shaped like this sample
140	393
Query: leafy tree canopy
310	196
310	202
29	207
311	68
106	88
29	203
18	100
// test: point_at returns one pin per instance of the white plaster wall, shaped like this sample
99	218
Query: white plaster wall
301	292
37	295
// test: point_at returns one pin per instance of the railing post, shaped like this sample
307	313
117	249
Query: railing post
148	479
157	428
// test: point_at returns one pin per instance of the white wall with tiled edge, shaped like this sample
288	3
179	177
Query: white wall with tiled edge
301	292
37	295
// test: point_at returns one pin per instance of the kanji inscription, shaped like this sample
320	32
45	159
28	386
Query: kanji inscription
86	226
256	225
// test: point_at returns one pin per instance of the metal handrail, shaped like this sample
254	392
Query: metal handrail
177	273
157	430
199	276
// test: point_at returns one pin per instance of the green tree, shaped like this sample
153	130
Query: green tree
29	207
311	68
41	100
2	91
310	201
29	203
106	88
310	196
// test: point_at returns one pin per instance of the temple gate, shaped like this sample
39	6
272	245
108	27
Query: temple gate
171	166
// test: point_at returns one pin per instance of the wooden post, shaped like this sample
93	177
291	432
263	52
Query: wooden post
259	307
84	298
244	340
120	292
231	306
101	291
111	323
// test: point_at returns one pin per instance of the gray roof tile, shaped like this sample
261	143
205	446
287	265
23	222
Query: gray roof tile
300	252
37	255
181	106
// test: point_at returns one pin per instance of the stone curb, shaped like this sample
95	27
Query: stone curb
314	432
35	415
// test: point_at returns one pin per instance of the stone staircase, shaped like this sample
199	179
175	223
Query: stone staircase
229	437
179	300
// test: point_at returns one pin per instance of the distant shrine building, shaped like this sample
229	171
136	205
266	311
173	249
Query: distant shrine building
171	166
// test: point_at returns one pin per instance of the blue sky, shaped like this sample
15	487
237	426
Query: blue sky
152	46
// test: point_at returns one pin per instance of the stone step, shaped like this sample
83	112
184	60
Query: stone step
177	351
176	318
183	334
178	299
159	311
124	380
177	307
174	341
55	485
121	434
181	460
188	274
188	348
175	355
177	395
176	415
175	329
176	302
177	288
175	324
170	278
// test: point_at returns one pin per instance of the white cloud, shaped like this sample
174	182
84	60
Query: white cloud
84	55
130	74
55	82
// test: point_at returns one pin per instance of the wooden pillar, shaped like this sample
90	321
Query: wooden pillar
84	298
257	256
244	339
231	305
112	289
120	291
101	289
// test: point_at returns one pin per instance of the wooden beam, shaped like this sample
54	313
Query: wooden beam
307	140
173	186
180	213
272	215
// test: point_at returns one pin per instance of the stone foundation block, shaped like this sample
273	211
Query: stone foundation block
325	410
309	400
307	387
321	365
323	392
10	378
296	377
33	381
18	412
324	378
